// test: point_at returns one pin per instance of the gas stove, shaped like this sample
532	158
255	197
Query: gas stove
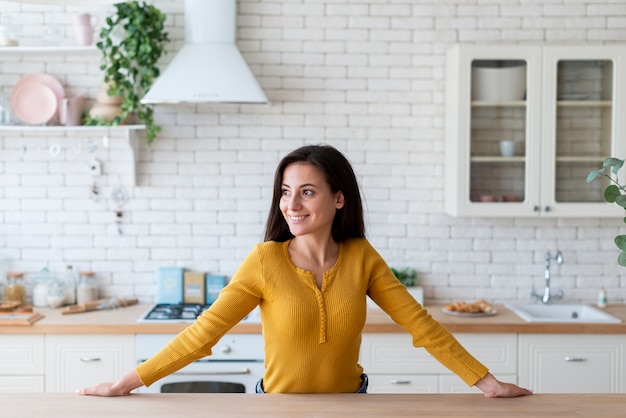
167	313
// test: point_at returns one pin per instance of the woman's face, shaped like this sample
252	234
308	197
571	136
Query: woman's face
307	203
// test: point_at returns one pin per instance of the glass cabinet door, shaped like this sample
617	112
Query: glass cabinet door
498	131
581	127
493	119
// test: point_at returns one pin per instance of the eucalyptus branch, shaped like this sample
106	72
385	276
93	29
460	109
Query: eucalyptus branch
613	194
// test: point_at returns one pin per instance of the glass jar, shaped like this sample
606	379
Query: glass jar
86	289
56	294
5	107
40	290
15	289
4	267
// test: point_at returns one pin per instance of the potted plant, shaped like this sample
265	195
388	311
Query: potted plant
408	277
132	41
613	194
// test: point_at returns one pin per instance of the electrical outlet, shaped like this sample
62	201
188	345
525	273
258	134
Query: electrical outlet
95	167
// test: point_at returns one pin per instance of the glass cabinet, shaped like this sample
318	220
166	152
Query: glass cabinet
526	124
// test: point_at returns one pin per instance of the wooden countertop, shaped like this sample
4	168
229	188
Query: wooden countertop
34	405
124	321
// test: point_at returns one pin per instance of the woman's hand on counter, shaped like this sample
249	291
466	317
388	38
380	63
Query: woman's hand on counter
493	388
121	387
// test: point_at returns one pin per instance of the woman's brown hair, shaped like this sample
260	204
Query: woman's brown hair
348	222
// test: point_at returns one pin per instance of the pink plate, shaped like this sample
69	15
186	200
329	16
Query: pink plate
47	80
34	103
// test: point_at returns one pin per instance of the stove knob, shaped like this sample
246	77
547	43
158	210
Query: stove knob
226	349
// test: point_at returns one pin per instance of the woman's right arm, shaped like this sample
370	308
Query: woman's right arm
121	387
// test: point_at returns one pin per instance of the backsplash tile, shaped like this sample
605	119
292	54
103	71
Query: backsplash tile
367	78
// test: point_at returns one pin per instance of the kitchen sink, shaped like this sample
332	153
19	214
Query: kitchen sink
561	312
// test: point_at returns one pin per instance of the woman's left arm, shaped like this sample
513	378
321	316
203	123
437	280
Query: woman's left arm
493	388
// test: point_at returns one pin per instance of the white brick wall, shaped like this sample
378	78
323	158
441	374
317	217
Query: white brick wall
365	77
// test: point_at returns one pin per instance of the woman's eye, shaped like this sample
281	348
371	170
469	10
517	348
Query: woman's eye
307	192
285	192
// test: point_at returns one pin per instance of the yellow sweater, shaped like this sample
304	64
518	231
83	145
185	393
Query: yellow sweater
312	336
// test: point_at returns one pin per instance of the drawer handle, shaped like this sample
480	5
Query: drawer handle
400	382
90	359
575	359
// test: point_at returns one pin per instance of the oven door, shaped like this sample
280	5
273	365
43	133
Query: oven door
210	377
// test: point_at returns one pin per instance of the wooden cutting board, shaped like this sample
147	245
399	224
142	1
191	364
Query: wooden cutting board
19	318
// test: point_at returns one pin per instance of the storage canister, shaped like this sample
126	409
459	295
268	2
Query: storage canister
15	289
40	290
498	80
86	289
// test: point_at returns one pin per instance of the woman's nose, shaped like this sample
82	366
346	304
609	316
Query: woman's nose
294	202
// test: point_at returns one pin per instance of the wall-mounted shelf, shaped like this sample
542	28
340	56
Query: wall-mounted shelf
6	50
130	132
66	2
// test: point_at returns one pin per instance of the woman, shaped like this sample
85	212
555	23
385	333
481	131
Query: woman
310	279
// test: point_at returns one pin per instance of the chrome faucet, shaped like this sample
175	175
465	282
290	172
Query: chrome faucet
547	296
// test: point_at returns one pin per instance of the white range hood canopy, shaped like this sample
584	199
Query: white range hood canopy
209	68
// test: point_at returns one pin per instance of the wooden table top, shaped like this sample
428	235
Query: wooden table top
124	321
69	405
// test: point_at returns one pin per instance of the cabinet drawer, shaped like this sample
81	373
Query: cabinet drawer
75	361
390	383
21	355
572	363
21	384
394	353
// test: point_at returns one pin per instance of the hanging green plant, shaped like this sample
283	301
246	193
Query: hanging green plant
406	276
132	41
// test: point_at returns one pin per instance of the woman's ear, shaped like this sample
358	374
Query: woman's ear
340	200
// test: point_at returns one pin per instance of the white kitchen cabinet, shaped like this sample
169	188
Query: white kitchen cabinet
572	363
393	365
566	121
76	361
21	363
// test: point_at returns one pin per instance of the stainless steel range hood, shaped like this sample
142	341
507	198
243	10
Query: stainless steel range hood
209	68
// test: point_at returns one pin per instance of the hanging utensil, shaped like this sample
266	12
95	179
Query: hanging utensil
119	197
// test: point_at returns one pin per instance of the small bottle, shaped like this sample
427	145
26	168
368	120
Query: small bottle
70	286
602	298
15	289
86	289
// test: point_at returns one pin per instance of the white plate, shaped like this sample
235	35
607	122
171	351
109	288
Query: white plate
470	314
34	103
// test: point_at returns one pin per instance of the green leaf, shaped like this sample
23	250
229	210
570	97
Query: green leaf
620	241
621	200
592	175
614	163
621	259
611	193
